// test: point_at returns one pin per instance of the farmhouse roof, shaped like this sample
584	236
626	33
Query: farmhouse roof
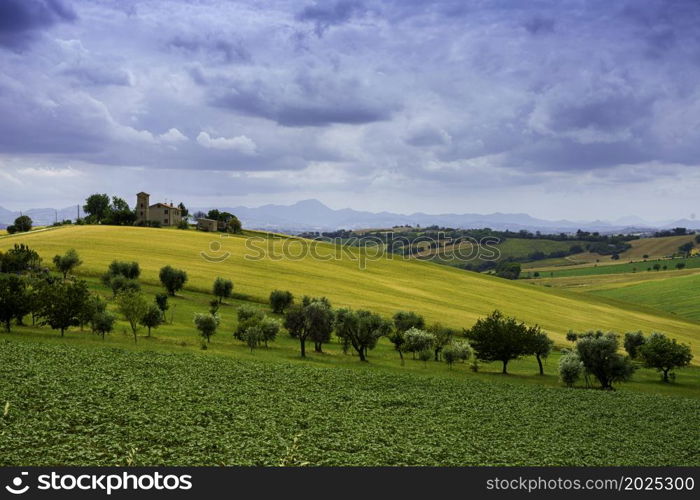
166	205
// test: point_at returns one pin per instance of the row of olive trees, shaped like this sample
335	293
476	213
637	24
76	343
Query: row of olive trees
596	354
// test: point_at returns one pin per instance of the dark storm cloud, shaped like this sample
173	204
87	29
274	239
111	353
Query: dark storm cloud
21	19
223	49
305	100
325	14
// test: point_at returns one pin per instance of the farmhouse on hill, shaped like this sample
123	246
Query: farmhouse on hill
165	214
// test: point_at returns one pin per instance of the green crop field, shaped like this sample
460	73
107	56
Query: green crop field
76	405
454	297
628	267
653	248
678	295
516	248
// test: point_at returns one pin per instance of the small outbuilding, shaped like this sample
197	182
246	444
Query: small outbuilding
207	225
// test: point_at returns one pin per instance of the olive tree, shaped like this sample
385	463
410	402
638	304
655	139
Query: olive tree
247	316
538	344
269	328
498	338
62	303
600	358
173	280
404	321
206	324
222	288
133	307
280	300
443	336
360	329
67	262
103	322
311	320
152	318
633	341
320	319
417	341
456	350
664	354
13	296
161	300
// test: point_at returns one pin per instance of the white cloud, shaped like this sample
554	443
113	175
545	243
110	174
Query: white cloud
172	136
48	172
240	144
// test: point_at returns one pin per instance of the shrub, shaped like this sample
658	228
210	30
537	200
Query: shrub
425	356
456	351
23	223
120	284
130	270
570	368
416	341
20	259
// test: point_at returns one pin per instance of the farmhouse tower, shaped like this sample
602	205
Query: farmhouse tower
142	204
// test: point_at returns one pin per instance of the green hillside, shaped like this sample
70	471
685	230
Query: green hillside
456	298
678	295
627	267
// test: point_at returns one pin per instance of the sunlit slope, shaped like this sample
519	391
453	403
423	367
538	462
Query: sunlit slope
679	295
454	297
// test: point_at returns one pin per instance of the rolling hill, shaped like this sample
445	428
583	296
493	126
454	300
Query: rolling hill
454	297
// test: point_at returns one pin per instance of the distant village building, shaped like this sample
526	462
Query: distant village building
207	225
164	214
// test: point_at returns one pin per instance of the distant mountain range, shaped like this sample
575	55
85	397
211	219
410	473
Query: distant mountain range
312	215
39	216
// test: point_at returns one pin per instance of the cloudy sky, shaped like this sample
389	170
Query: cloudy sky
578	109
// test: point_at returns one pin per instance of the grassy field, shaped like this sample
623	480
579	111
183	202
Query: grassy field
456	298
678	295
517	248
654	248
646	266
178	335
78	405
